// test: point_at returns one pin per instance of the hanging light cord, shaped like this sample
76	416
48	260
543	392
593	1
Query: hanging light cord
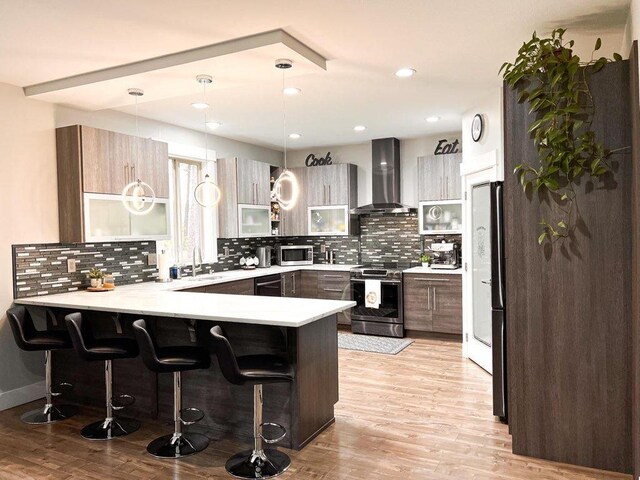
135	157
284	122
206	150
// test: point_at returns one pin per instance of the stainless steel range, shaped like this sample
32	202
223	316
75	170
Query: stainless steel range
385	319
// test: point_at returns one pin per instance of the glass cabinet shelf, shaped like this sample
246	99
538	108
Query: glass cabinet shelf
440	217
254	220
106	219
328	220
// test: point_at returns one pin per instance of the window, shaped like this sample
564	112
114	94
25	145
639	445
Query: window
194	226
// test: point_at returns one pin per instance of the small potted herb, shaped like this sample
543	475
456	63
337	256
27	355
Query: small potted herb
96	275
426	260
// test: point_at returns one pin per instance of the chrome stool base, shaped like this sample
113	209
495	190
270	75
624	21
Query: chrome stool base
49	414
108	429
249	464
170	446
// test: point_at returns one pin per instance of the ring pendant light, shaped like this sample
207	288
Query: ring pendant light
137	196
287	180
206	193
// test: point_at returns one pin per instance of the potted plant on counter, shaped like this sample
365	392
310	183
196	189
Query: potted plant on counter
96	276
426	260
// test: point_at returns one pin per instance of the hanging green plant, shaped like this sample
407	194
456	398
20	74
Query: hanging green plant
547	74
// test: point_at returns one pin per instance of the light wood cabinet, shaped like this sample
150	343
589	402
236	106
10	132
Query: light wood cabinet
439	177
332	185
433	303
253	182
293	223
242	182
95	161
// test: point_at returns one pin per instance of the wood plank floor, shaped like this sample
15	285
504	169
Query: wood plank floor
424	413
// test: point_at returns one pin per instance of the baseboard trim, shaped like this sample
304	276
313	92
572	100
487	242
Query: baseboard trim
22	395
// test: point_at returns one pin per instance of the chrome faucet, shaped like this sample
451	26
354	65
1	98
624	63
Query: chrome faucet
196	267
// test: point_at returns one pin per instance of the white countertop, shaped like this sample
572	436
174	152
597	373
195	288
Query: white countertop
166	300
435	271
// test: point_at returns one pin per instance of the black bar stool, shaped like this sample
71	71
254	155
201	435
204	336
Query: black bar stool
32	340
174	360
97	350
254	370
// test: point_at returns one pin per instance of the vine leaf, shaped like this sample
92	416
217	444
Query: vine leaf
547	74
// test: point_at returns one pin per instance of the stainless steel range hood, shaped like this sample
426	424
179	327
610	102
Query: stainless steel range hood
385	169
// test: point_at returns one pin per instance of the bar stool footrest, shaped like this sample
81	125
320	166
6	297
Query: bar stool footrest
191	415
275	425
61	389
123	401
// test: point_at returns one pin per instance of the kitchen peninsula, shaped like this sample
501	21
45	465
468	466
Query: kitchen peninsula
302	330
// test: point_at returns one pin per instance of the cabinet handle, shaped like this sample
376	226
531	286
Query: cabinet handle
428	299
126	174
435	306
332	290
432	279
332	276
446	187
133	173
293	278
329	196
284	285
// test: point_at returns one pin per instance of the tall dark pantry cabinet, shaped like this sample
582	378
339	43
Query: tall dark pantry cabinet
571	336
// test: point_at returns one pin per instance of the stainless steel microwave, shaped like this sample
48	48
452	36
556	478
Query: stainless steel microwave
287	255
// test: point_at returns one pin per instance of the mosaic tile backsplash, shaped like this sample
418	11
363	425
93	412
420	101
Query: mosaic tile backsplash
390	238
41	269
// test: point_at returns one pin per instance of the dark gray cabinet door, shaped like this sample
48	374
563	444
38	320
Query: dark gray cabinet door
253	182
452	180
329	185
417	303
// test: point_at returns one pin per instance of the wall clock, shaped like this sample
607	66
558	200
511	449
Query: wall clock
477	126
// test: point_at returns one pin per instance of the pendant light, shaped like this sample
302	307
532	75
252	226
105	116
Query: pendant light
137	197
206	193
287	180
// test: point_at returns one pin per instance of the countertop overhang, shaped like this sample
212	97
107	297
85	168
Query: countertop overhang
167	300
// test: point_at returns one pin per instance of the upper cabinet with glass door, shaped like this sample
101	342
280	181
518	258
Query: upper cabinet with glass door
331	191
97	161
440	217
246	196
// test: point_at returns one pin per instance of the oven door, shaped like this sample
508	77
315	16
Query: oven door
390	310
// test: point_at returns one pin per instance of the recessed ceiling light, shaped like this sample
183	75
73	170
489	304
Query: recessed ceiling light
405	72
200	105
359	128
214	125
433	119
291	91
294	136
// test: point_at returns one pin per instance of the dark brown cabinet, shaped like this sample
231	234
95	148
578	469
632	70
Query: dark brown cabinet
335	286
433	303
292	284
309	281
237	287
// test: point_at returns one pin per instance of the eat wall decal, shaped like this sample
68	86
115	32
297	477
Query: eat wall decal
445	148
313	161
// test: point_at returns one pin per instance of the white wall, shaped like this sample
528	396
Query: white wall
632	30
360	155
490	107
29	214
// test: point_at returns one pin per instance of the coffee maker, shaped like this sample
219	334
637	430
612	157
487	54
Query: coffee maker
445	255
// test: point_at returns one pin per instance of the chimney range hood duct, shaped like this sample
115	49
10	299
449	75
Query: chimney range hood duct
385	180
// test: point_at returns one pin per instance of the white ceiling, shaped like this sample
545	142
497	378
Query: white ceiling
455	46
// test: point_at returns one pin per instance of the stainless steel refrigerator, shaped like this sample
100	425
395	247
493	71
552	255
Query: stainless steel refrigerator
498	305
